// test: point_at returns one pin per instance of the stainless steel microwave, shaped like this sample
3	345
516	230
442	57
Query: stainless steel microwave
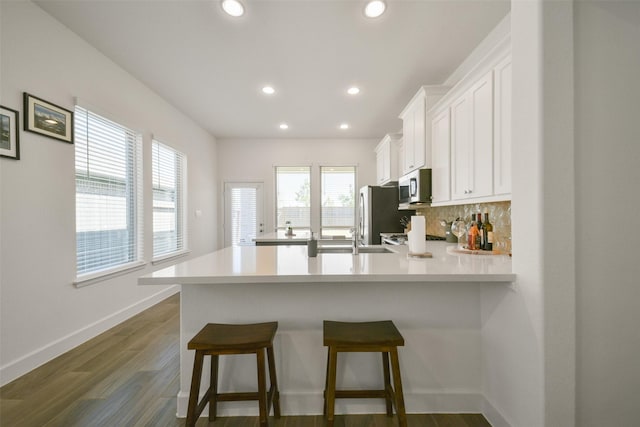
415	187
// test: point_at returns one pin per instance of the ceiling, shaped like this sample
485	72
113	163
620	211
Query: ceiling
212	67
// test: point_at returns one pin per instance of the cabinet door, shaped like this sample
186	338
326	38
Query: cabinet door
380	166
419	135
441	168
383	162
481	98
502	127
461	167
407	136
414	134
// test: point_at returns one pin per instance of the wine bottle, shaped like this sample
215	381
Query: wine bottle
481	237
488	244
472	233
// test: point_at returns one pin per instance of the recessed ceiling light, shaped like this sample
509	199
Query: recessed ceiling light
233	7
284	126
344	126
374	8
268	90
353	90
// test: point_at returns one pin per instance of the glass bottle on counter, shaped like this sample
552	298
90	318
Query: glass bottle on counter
488	231
480	240
472	234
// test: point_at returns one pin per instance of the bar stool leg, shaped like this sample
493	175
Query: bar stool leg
397	384
330	397
326	382
195	389
213	387
274	382
388	393
262	388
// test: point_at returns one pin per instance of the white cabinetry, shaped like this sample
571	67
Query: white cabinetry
471	135
502	127
414	138
441	148
472	141
387	159
416	128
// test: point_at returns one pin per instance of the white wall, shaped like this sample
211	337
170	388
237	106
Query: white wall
254	160
561	347
529	330
607	53
512	319
42	313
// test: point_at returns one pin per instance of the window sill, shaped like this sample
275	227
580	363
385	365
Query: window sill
169	257
90	279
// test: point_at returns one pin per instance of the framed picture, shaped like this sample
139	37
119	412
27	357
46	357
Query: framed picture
47	119
9	137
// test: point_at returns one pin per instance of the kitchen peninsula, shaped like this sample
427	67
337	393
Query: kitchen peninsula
435	302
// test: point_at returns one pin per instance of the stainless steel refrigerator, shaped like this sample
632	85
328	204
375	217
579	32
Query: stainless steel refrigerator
378	213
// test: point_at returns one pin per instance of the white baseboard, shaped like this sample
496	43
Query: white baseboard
305	403
495	418
29	362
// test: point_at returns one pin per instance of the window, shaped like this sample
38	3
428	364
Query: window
108	195
293	197
168	171
337	214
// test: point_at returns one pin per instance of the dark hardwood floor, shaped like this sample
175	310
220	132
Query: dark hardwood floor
129	376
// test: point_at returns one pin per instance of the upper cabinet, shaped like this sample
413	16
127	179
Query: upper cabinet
387	158
413	135
471	137
472	141
502	127
441	158
416	128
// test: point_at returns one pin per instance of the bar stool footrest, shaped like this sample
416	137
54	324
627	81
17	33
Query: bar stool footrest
360	394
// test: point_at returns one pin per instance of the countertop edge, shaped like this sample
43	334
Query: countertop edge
355	278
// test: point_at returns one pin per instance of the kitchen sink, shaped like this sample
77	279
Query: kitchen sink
349	249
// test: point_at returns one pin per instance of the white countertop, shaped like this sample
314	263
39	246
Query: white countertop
280	236
290	264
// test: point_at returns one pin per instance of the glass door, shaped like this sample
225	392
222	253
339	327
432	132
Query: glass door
244	208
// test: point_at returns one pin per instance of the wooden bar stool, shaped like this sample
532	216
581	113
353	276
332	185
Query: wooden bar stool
383	337
219	339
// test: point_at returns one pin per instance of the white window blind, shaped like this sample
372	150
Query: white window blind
108	162
337	186
244	209
293	197
168	171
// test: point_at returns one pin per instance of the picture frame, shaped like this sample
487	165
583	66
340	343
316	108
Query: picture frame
45	118
9	135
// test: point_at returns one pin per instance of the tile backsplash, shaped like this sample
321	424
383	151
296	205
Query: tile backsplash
499	216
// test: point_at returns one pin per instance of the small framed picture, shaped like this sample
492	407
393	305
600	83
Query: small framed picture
47	119
9	137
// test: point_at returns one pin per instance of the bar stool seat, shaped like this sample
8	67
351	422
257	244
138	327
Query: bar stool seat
379	336
217	339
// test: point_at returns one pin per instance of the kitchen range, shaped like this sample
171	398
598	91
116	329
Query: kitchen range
401	239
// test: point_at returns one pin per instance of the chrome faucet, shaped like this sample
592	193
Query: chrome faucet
356	239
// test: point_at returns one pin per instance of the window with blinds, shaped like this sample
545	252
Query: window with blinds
337	187
168	171
293	197
108	162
